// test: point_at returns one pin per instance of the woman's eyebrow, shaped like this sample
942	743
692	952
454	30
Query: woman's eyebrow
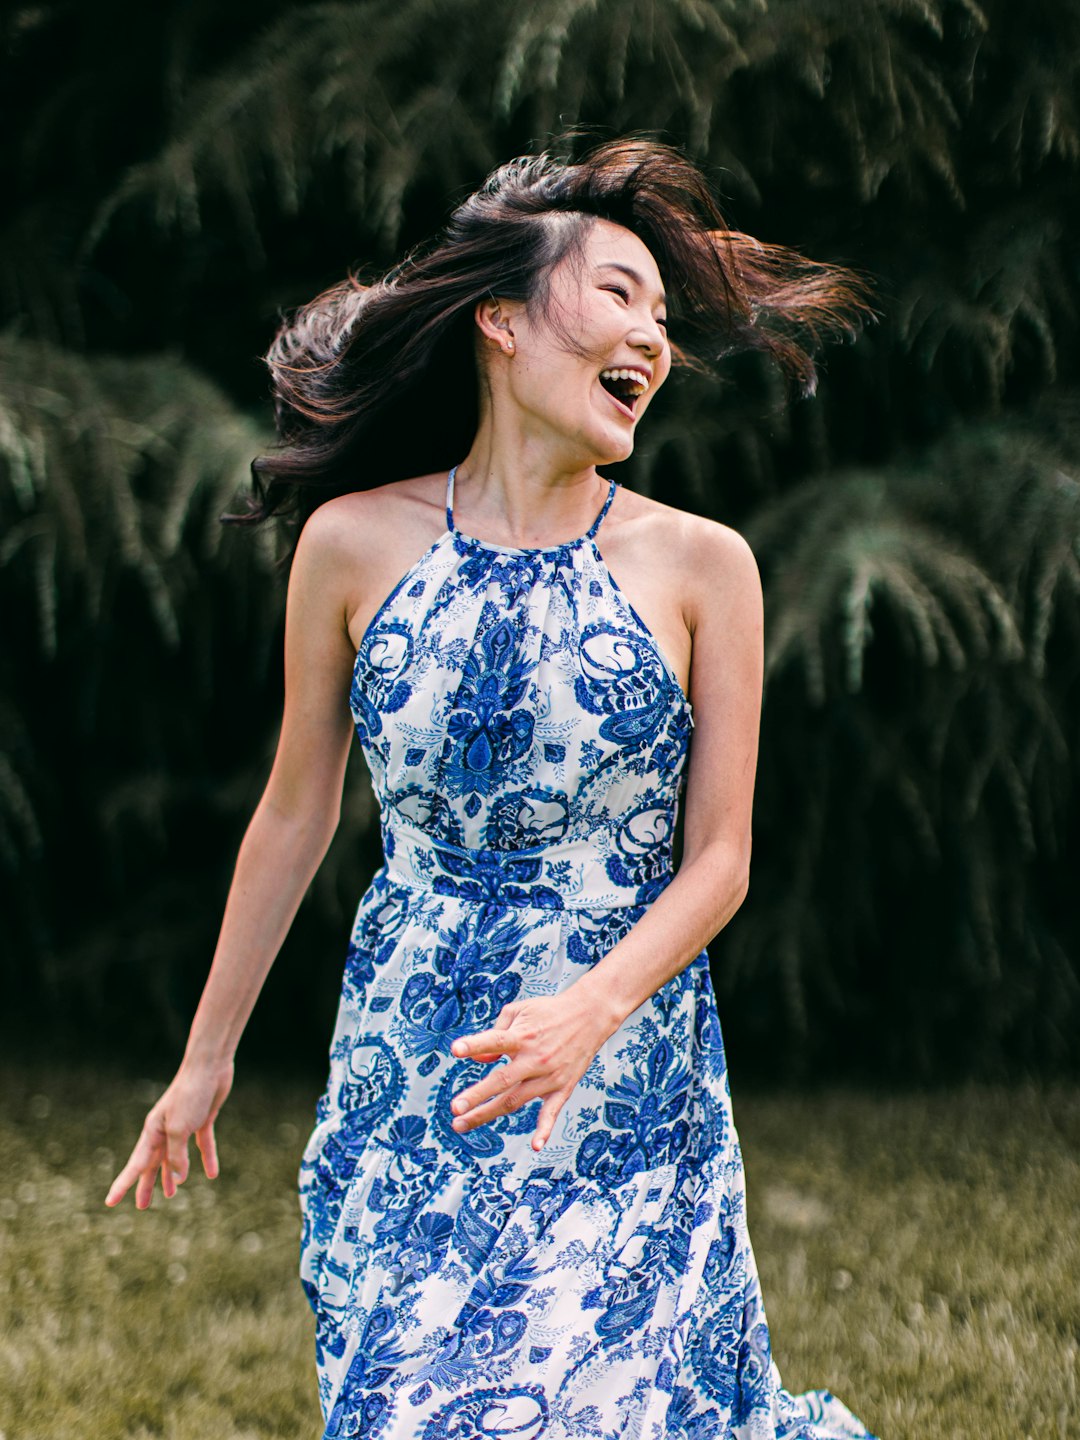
631	274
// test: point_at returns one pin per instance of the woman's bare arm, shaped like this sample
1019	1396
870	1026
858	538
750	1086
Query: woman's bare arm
281	850
726	676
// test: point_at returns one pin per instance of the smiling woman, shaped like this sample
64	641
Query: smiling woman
554	1246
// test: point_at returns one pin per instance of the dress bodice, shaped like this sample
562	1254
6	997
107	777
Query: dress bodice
525	734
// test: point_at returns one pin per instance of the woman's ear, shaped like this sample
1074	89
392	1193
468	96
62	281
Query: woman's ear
495	324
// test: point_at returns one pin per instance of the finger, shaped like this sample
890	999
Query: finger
484	1042
545	1121
121	1185
175	1169
515	1071
127	1177
144	1191
481	1114
204	1139
495	1083
503	1104
146	1152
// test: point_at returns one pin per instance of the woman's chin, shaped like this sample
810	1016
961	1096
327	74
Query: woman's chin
613	448
623	453
601	445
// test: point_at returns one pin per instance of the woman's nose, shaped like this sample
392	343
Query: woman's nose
649	336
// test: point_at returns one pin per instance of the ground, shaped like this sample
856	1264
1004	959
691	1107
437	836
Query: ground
919	1256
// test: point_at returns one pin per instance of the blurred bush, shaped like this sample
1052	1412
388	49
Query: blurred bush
917	521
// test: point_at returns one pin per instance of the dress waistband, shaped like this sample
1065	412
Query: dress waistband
569	875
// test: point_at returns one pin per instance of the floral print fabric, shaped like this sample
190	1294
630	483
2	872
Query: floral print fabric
527	742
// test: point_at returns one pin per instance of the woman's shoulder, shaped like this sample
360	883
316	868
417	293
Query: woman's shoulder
354	548
375	529
692	544
394	505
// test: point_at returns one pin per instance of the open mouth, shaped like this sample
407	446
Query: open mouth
625	387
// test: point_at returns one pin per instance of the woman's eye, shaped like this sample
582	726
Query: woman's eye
618	290
662	322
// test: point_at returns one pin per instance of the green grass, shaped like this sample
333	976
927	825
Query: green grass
919	1255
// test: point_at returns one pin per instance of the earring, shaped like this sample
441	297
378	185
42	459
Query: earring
509	347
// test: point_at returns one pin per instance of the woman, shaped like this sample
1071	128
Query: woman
523	1204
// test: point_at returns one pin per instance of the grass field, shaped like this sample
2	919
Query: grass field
919	1255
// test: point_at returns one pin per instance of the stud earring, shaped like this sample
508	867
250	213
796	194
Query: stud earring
509	347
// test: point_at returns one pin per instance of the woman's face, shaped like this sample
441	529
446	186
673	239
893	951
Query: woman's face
609	302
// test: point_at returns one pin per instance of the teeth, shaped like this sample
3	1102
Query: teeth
638	376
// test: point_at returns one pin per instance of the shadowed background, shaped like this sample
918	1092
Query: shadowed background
175	176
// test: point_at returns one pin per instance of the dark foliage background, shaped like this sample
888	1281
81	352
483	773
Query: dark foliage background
175	175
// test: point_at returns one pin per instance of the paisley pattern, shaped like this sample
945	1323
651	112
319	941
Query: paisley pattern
527	741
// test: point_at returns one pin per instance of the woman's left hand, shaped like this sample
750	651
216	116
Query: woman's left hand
551	1041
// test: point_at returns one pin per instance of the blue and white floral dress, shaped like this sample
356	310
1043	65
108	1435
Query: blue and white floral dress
527	742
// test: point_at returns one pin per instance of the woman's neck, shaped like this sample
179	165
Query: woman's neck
525	495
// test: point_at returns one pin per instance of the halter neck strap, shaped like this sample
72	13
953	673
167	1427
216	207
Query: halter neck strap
590	534
450	499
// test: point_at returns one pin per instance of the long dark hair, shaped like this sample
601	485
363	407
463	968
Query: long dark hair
375	382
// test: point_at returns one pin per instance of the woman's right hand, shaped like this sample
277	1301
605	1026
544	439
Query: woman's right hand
188	1107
